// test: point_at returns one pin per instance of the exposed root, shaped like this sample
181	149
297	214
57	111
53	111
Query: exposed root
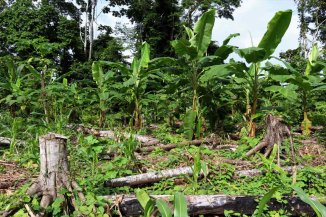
276	132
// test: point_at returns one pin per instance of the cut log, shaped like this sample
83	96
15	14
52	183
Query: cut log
214	204
4	141
152	177
168	147
148	177
144	139
257	172
316	128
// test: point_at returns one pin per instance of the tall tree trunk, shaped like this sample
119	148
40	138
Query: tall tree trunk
91	29
43	95
86	28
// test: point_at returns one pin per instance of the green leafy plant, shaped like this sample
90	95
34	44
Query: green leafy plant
128	148
11	87
192	50
163	208
104	93
306	82
91	149
285	182
146	202
199	167
251	79
180	205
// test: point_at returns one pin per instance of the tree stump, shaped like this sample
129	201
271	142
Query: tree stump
275	134
54	172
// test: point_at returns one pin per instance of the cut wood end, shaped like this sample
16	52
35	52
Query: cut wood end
53	136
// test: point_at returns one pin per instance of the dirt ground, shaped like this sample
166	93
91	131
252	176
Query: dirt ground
12	176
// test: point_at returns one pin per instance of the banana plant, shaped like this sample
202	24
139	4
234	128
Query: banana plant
192	50
104	92
11	88
305	82
251	78
138	82
136	78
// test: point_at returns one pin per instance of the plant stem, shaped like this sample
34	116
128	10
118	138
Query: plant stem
43	95
252	124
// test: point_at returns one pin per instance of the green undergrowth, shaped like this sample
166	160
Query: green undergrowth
90	171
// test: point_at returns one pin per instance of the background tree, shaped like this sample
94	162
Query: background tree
56	21
156	22
193	9
311	12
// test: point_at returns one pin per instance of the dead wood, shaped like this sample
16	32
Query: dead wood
54	172
311	141
144	139
157	176
316	128
146	178
4	141
275	134
168	147
212	143
128	205
257	172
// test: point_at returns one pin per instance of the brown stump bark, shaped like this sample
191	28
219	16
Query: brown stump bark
275	134
54	172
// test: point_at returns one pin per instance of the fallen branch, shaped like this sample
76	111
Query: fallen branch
5	141
213	204
168	147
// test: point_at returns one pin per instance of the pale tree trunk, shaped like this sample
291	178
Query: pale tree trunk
91	29
43	96
86	28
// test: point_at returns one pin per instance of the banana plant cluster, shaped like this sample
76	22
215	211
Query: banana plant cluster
203	68
200	67
135	80
295	83
196	71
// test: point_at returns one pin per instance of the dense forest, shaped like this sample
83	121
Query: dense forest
181	126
